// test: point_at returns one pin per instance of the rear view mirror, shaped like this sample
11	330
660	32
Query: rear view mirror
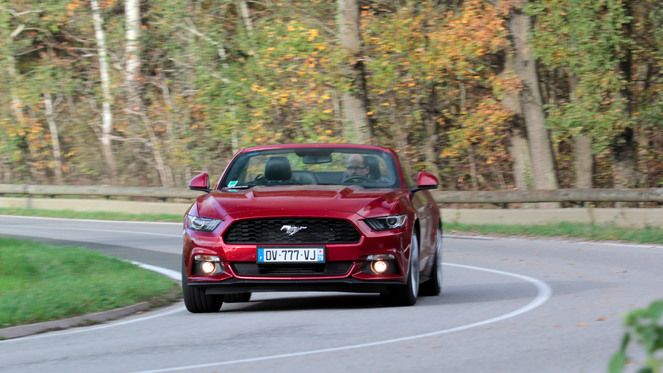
316	158
200	182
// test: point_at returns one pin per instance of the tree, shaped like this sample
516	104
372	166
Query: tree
107	114
354	99
532	104
136	108
55	136
584	40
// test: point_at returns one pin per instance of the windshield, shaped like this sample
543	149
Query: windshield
312	166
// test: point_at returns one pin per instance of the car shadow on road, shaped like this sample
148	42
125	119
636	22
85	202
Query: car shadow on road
343	301
452	294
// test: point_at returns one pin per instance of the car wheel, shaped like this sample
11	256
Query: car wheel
195	299
237	298
434	285
406	295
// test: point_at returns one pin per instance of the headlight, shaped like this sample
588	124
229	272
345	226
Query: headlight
202	224
387	222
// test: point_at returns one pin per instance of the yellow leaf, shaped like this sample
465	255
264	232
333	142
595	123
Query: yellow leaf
312	34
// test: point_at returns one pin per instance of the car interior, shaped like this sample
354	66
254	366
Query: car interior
279	171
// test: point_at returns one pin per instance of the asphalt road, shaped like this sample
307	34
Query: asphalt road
508	305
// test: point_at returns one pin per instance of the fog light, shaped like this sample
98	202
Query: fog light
208	267
379	266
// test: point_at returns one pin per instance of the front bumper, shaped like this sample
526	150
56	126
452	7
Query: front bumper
356	278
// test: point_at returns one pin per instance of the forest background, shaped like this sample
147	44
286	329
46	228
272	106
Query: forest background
537	94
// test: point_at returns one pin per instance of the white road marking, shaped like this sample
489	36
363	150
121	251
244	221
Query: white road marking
175	275
544	293
177	308
468	237
90	220
620	244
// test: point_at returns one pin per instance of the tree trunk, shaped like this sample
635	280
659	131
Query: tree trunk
582	151
524	65
132	52
473	168
248	25
519	147
582	147
354	102
55	137
522	168
624	145
107	115
530	98
623	152
132	82
400	136
430	124
246	17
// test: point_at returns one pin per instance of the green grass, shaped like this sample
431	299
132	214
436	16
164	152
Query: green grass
92	215
586	231
42	282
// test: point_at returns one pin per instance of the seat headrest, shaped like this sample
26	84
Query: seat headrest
278	168
373	167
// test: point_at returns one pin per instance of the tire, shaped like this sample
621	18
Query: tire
195	299
406	295
433	286
237	298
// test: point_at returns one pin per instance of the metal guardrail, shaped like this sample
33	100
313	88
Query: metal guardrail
495	197
557	195
105	191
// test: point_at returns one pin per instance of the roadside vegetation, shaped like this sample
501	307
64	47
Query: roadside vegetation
41	282
565	229
147	92
644	331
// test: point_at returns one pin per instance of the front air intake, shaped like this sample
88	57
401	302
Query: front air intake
292	231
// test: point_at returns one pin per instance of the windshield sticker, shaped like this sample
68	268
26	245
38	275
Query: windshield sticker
232	183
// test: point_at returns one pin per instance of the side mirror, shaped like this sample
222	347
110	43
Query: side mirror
200	182
425	181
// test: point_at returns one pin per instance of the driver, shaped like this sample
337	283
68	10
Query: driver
356	167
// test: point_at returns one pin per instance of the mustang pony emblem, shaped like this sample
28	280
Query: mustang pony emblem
292	229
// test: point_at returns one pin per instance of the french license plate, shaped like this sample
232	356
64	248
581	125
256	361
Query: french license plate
291	255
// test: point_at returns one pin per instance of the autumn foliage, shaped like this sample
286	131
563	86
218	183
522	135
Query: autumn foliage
213	81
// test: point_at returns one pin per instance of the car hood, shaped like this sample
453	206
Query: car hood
299	200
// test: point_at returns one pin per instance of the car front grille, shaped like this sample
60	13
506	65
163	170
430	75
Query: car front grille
275	231
292	270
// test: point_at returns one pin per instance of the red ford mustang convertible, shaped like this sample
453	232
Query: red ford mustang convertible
317	217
